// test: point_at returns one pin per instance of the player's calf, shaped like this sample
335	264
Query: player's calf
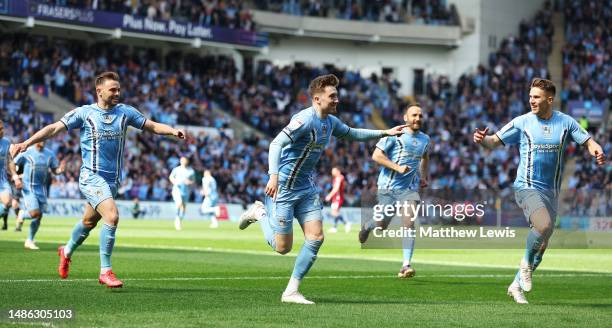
283	244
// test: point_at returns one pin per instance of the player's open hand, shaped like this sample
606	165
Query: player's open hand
396	130
479	135
600	158
272	186
16	149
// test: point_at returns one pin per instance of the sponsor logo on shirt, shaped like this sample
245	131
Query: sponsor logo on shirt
316	146
546	148
108	134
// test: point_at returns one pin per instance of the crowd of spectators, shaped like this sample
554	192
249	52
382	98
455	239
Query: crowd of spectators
236	14
488	97
587	72
434	12
219	13
587	64
182	89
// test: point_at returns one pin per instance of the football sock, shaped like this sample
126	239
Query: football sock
339	218
3	214
33	228
306	258
537	259
213	220
264	222
534	241
107	242
79	234
407	249
292	286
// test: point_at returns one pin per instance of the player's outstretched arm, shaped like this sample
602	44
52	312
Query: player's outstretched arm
43	134
367	134
381	158
481	138
163	129
596	151
274	154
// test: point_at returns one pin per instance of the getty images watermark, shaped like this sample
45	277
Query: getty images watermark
411	210
480	218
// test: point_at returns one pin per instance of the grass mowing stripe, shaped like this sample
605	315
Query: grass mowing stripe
340	257
469	276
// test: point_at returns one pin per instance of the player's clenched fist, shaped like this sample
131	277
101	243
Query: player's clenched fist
600	158
403	169
479	135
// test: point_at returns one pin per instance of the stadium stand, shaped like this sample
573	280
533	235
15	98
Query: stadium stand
184	90
229	14
586	56
434	12
587	68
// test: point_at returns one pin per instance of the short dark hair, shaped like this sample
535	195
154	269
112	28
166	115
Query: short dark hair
320	82
106	76
547	85
416	104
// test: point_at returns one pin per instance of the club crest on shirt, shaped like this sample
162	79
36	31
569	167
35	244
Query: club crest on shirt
324	128
547	131
415	142
108	119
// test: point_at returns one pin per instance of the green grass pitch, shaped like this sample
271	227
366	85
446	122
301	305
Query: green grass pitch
200	277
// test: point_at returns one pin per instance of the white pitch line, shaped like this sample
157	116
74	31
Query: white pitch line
466	276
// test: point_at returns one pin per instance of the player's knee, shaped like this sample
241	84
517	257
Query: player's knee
112	218
318	236
545	228
90	223
36	215
283	249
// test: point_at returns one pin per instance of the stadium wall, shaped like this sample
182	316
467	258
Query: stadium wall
494	20
366	57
